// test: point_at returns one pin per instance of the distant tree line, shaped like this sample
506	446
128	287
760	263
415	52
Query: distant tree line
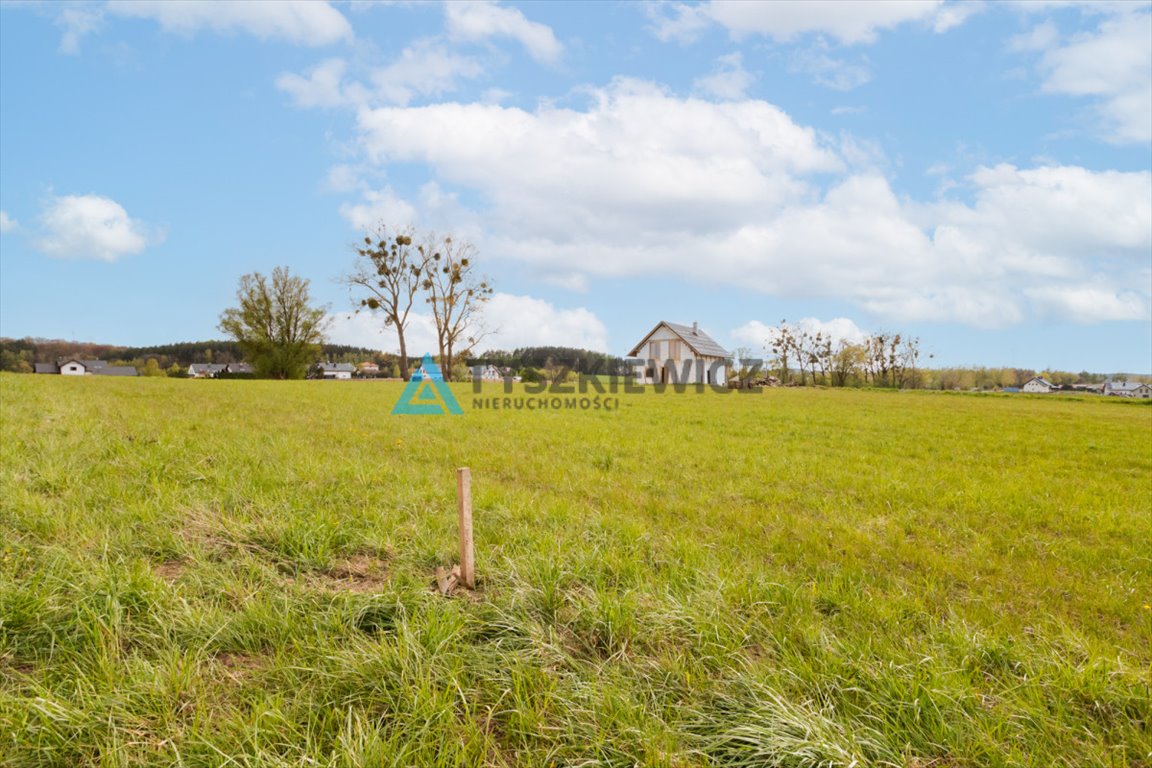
884	360
798	356
881	360
20	355
549	361
990	378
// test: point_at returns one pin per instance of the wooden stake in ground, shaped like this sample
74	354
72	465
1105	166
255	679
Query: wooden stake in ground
464	507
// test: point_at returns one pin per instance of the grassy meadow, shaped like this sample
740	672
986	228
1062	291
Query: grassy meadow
239	573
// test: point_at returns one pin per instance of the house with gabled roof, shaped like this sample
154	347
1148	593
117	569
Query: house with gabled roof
75	367
491	373
1038	385
672	353
206	370
336	370
1124	388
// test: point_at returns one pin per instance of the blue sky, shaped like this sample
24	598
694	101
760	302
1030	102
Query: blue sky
979	175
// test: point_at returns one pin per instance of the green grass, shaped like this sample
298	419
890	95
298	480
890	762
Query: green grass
238	573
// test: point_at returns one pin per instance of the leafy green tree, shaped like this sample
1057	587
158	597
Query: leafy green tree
152	368
278	330
14	361
848	360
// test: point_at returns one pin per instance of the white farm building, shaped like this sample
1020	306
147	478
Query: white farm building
1038	384
679	354
340	371
73	367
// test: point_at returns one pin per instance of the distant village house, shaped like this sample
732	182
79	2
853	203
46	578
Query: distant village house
205	370
1038	385
1126	389
336	370
73	367
493	373
213	370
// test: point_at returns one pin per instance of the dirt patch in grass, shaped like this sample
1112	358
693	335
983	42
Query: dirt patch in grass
10	667
756	653
203	528
238	665
933	762
171	570
358	573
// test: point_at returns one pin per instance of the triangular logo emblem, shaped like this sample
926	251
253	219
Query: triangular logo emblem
427	394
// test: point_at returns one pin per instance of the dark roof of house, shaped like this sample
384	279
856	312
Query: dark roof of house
701	343
116	370
337	367
1123	386
239	368
46	368
90	365
208	367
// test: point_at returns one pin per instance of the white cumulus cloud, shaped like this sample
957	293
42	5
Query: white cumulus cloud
91	227
524	321
955	13
643	183
829	71
847	21
77	22
477	21
7	223
838	329
1042	37
1063	211
425	68
757	335
376	206
638	161
433	207
322	87
366	329
1111	65
729	80
508	321
305	22
1090	303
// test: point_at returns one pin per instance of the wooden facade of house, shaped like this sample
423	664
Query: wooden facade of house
672	353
